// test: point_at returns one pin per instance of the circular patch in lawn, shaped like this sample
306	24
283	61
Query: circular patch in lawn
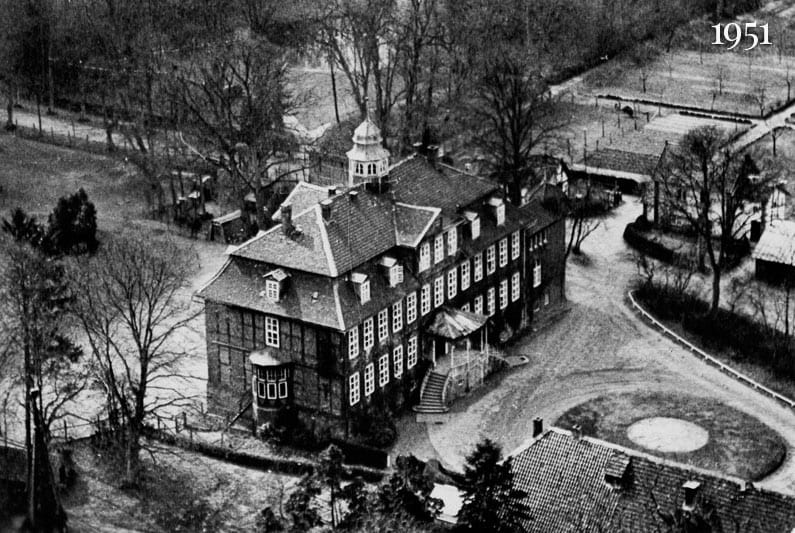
666	434
736	444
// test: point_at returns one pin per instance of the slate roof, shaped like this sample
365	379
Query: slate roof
622	160
412	222
454	324
303	196
564	480
777	244
415	181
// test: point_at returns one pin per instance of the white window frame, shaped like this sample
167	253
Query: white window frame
537	273
369	379
411	352
438	291
272	331
504	293
364	291
478	267
353	342
395	275
477	306
465	307
503	252
500	214
465	275
383	325
425	256
491	307
383	370
354	390
475	228
491	260
272	290
368	338
397	359
438	248
452	283
411	307
546	298
452	241
282	386
397	316
425	300
515	247
515	287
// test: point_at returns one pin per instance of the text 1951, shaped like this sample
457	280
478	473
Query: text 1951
735	33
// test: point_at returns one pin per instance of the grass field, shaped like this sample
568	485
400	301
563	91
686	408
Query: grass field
738	444
749	83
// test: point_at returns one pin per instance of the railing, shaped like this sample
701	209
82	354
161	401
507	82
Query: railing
425	382
710	359
447	384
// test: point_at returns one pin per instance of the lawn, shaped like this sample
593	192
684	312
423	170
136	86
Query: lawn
738	444
744	83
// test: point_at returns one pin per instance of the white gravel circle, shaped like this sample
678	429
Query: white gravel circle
671	435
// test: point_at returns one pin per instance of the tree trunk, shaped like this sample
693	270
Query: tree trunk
334	89
132	450
713	310
10	108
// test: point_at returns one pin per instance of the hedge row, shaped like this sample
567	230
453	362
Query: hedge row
285	465
637	238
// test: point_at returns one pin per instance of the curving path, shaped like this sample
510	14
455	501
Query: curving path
599	347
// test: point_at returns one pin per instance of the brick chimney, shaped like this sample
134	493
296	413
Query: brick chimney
538	426
325	209
691	495
287	219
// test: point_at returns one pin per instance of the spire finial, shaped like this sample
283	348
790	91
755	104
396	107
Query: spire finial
367	107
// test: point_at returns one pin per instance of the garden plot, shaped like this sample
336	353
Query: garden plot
751	84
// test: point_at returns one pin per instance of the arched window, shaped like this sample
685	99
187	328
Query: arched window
272	383
359	168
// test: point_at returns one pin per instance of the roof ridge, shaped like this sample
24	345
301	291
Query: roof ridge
332	264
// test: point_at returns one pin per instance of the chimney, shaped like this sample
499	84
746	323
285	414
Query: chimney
576	431
419	148
353	195
691	494
325	209
538	426
433	154
287	219
332	192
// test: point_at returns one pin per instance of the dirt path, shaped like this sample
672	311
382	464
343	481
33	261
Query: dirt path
600	347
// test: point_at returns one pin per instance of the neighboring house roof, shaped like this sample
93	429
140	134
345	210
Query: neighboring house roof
564	479
777	243
303	196
621	163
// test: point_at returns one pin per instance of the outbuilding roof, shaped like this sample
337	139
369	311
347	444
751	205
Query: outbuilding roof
777	244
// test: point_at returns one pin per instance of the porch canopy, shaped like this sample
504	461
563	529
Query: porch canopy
265	358
454	324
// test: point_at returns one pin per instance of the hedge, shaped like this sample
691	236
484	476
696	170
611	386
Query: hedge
638	240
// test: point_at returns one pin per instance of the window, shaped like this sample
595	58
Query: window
425	256
544	235
490	301
397	316
515	288
397	357
425	299
475	227
364	291
272	290
367	333
452	241
395	275
353	388
411	354
479	305
478	267
272	331
272	383
369	379
223	355
500	214
383	370
411	308
438	249
491	263
452	283
504	252
504	294
537	273
359	168
546	298
464	275
438	291
515	245
353	342
465	307
383	325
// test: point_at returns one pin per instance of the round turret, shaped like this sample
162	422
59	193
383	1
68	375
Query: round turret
368	160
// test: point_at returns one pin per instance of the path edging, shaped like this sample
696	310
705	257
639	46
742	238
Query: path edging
739	376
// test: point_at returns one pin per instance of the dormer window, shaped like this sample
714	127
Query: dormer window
394	270
361	284
498	206
275	281
425	256
452	241
474	223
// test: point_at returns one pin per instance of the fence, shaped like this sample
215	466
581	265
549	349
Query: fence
710	359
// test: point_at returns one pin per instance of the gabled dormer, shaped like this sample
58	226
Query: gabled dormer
275	284
361	286
393	270
497	206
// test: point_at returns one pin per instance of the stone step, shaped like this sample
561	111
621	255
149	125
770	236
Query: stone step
433	418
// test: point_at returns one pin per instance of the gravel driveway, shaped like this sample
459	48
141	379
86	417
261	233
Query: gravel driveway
599	347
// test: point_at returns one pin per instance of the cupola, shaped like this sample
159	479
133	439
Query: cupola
368	160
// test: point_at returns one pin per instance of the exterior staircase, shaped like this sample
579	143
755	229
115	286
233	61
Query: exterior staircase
432	395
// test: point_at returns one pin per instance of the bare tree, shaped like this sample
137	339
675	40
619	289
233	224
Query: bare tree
643	57
132	312
236	98
759	95
704	184
721	76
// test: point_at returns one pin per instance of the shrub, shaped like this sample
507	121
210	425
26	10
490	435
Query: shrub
72	225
